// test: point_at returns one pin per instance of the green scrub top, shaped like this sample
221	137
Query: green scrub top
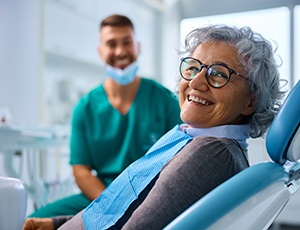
109	141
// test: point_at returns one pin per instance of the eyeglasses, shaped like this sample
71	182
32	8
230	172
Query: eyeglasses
217	75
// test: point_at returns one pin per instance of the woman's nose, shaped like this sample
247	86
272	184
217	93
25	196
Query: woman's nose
199	81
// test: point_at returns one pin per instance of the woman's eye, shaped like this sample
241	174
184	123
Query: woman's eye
193	68
216	73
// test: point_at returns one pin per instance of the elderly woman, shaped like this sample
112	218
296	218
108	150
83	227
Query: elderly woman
229	91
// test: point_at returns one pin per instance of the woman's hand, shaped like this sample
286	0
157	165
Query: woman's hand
38	224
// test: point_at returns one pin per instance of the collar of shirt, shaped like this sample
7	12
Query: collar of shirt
238	132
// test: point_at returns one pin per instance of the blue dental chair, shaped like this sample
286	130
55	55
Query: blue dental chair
254	198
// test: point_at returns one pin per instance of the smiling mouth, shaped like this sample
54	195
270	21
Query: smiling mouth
122	62
199	100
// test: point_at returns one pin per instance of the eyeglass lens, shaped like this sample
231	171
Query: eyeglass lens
216	75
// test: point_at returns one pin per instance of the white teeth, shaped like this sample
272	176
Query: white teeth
198	100
122	62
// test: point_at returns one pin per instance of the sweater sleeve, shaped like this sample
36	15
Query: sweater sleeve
60	220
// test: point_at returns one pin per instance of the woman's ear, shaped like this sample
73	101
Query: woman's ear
249	107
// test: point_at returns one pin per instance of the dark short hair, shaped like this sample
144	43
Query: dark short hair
116	20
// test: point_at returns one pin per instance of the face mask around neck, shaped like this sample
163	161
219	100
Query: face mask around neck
122	76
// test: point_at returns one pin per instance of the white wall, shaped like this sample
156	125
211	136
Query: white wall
20	58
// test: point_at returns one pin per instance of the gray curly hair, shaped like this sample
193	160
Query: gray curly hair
257	56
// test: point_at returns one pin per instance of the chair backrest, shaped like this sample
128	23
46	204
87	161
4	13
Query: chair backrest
283	138
13	203
253	198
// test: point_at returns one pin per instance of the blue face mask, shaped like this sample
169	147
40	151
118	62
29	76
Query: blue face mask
122	76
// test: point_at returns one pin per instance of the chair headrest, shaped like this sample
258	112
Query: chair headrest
283	138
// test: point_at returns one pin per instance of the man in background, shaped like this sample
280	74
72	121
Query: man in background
115	123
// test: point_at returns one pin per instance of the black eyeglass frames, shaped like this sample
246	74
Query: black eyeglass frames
217	75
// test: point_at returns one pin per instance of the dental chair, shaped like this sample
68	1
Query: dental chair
13	203
253	198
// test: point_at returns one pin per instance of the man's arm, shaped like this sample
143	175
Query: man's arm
89	184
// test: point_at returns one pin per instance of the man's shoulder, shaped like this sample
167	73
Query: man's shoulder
94	94
149	81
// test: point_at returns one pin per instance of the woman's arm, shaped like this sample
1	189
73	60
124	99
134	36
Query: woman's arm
45	223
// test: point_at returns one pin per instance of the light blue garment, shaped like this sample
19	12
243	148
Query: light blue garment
110	206
122	76
238	132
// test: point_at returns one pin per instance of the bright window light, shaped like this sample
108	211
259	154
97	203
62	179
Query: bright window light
273	24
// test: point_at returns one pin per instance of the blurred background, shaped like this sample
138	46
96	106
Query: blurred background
48	60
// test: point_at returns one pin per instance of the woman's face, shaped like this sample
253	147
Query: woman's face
203	106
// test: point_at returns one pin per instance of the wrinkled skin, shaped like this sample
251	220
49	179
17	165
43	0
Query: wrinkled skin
223	106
